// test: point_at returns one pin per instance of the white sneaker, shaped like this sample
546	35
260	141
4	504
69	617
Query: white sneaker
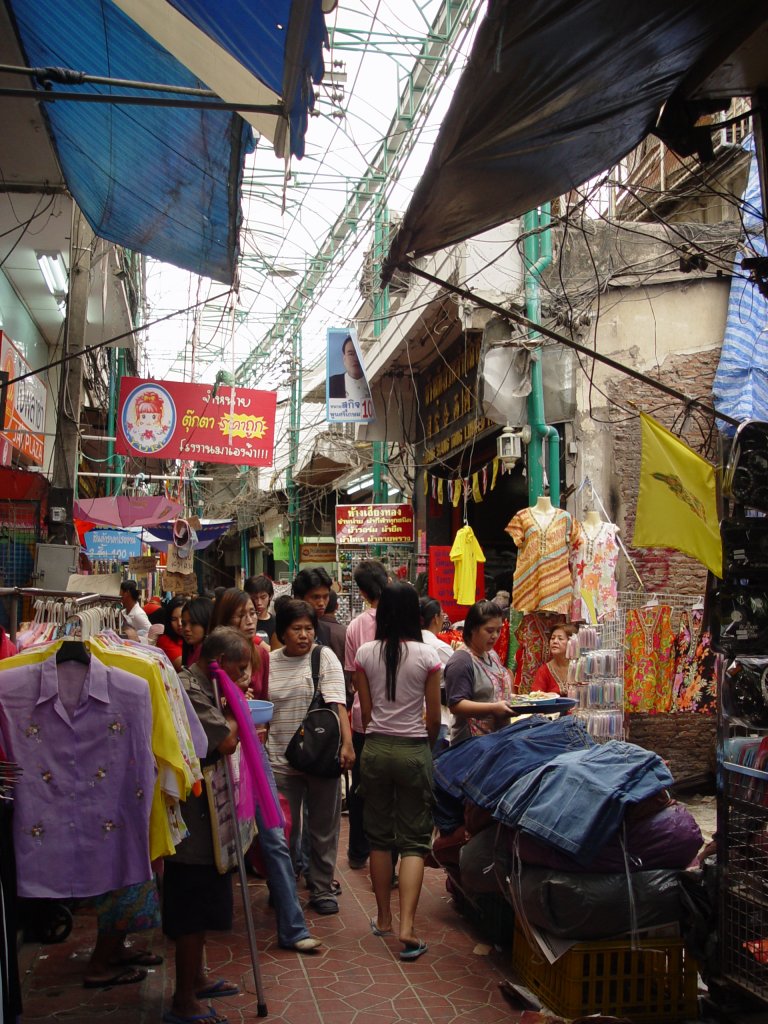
307	945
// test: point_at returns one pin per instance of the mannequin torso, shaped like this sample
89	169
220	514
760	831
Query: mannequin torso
592	523
543	511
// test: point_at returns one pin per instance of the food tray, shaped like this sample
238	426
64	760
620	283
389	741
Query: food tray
547	707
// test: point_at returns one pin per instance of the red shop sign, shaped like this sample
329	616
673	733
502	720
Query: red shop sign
173	420
374	524
441	576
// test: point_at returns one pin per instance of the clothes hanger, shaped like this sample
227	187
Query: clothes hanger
652	602
699	606
73	650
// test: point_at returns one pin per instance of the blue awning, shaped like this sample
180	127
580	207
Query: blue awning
166	181
553	94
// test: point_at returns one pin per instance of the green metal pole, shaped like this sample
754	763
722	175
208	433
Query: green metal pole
119	460
111	418
380	321
380	486
537	248
295	427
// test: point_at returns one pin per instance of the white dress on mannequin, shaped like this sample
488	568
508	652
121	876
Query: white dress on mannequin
593	559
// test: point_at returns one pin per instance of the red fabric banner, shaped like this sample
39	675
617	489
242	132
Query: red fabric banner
173	420
441	575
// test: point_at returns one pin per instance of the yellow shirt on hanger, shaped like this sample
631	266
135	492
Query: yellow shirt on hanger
173	778
465	554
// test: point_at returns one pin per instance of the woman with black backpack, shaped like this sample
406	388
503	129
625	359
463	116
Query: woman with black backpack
291	689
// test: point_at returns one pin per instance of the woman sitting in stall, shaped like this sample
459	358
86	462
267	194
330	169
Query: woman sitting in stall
477	686
552	676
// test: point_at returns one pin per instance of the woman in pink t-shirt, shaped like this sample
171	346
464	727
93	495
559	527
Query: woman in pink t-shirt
397	676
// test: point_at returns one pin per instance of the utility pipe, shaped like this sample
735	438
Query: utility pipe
112	413
538	256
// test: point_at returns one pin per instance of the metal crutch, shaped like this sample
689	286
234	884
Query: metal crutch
261	1003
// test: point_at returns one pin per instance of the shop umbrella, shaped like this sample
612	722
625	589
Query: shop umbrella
123	511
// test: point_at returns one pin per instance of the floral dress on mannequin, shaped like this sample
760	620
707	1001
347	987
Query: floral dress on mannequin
594	557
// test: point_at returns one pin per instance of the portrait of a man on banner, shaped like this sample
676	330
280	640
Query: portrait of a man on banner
348	396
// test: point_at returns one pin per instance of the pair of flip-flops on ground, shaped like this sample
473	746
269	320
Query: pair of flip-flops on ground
410	951
216	990
127	972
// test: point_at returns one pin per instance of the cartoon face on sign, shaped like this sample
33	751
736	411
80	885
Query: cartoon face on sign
149	418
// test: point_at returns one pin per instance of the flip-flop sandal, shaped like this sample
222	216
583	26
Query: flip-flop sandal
413	952
130	976
379	932
141	958
169	1017
220	989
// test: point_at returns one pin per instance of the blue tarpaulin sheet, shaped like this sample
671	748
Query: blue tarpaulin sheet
166	181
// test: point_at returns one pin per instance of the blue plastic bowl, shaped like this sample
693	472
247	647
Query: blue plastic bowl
261	711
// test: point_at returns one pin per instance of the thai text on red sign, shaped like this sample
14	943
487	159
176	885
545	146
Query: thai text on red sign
374	524
173	420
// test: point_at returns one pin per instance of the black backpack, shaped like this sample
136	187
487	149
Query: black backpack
316	745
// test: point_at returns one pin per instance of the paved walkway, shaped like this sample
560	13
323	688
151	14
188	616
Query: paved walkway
356	979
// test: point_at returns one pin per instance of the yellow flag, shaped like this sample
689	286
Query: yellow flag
456	492
476	487
426	485
495	473
440	483
676	503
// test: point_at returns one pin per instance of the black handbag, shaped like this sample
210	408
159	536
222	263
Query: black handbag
315	747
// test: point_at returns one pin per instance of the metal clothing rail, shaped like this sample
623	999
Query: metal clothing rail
76	600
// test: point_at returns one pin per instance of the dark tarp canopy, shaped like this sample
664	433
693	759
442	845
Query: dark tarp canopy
555	92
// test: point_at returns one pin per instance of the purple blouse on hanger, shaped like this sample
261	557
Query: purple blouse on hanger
82	735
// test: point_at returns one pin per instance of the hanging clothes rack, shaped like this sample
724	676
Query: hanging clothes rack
78	602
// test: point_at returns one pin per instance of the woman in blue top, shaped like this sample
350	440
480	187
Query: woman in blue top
396	675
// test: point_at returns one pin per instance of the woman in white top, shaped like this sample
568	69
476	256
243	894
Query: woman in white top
396	675
291	691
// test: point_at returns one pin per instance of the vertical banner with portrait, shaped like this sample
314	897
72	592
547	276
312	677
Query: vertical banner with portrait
348	396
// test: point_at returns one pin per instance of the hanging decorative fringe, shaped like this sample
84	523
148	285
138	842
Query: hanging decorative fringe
474	486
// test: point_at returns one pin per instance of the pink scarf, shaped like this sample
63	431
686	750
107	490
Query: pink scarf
257	785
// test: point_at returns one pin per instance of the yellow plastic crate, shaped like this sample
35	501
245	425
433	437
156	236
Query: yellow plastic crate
653	984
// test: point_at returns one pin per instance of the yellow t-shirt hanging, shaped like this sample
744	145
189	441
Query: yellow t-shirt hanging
465	554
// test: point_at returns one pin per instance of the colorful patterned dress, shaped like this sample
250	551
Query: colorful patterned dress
695	686
594	559
649	662
542	580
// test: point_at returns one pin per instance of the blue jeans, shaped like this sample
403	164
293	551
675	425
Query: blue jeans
291	925
518	753
577	801
506	746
